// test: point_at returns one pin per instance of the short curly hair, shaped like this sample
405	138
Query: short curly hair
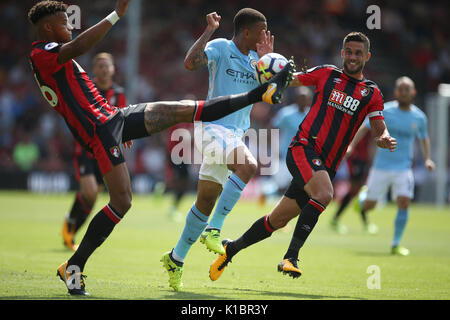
45	8
245	18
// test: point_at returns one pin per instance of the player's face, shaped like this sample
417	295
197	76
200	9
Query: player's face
62	30
253	34
404	93
303	100
103	69
355	56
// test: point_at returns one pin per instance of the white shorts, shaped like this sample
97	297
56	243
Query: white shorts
379	181
215	143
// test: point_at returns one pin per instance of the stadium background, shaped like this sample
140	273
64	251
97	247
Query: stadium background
413	41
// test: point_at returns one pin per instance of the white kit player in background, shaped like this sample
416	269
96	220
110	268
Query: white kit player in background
405	121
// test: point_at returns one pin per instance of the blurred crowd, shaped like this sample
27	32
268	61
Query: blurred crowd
413	40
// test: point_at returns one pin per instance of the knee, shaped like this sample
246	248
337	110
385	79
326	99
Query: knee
205	204
403	203
90	196
122	202
324	197
279	222
246	171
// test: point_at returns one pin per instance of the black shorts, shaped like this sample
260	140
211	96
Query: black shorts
302	161
127	124
180	171
358	169
85	164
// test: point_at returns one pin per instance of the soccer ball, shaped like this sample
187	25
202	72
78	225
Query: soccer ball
268	66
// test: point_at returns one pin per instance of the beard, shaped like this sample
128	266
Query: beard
357	69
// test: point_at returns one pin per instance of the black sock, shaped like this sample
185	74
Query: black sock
220	107
259	231
79	212
344	203
98	230
305	224
364	216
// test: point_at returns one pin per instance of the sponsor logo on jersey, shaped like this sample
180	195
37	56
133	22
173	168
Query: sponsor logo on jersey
343	102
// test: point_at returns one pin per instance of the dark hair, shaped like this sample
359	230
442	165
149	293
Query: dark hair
45	8
245	18
358	37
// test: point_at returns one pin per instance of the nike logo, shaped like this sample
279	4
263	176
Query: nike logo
226	209
234	57
191	240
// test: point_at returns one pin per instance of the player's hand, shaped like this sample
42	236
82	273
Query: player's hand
212	20
121	7
429	164
265	44
387	142
128	144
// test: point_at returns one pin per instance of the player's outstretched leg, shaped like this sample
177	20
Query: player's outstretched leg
158	116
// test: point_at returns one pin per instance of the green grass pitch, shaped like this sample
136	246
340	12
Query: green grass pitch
127	265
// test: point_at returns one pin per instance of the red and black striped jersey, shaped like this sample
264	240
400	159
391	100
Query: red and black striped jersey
115	96
339	107
70	91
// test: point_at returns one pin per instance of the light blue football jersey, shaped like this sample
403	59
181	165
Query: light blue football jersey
287	120
231	72
404	126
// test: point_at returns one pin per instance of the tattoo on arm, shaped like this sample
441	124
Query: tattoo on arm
196	56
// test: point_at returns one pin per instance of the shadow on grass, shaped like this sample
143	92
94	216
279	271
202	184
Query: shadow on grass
61	297
225	293
289	295
374	254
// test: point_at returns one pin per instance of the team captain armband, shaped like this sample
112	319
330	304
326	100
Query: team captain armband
376	115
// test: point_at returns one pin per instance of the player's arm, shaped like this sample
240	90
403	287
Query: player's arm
381	135
89	38
425	147
302	79
311	76
196	56
362	131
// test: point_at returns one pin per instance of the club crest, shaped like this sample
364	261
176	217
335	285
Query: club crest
115	151
364	92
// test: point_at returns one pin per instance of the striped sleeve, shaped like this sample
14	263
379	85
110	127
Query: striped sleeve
311	76
46	56
376	106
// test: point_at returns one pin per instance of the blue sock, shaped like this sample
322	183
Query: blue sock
195	224
400	224
230	195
